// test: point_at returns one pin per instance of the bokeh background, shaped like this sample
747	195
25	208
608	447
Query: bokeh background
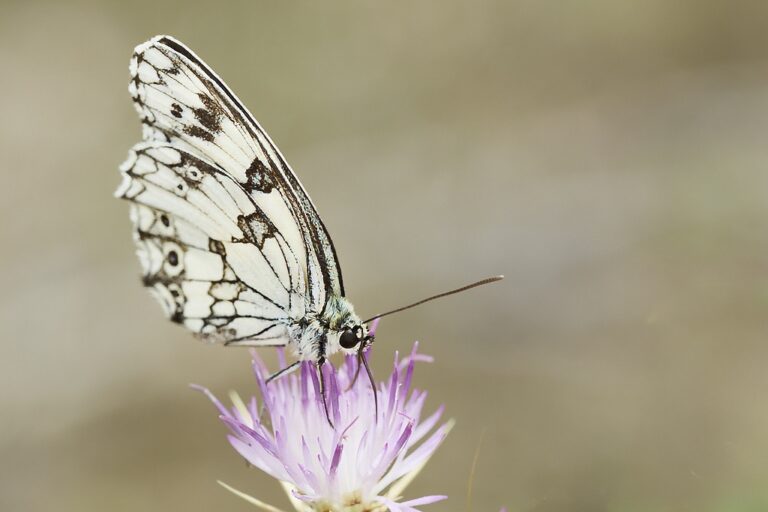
608	156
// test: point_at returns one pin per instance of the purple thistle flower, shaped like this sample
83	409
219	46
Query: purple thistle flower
363	464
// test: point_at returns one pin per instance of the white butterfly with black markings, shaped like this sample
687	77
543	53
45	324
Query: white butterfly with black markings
229	241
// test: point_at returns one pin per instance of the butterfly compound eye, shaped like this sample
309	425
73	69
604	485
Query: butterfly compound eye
348	339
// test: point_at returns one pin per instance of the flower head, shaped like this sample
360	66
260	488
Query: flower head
364	463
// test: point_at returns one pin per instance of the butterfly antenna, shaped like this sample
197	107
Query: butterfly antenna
487	280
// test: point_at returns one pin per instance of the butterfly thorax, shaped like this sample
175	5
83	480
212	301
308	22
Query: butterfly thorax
316	336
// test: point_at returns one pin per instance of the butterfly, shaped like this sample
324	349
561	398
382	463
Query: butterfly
228	239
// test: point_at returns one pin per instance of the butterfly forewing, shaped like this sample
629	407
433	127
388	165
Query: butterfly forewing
186	107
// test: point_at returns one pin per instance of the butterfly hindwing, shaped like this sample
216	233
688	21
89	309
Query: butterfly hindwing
184	104
211	256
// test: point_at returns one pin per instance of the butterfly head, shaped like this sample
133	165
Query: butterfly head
346	331
351	337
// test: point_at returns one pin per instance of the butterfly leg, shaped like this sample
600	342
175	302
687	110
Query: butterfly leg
284	371
364	360
365	344
357	371
279	373
320	363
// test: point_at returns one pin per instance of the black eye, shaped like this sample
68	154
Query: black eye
348	339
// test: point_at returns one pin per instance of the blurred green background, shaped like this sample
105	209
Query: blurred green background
609	157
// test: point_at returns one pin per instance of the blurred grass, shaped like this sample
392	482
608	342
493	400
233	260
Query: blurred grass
608	157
